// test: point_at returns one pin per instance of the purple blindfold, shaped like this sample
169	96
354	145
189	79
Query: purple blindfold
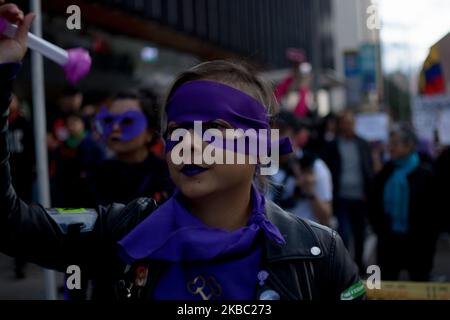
132	123
207	101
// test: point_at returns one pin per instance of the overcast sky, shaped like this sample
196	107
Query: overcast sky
409	28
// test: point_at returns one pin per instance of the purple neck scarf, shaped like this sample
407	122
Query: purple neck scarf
207	101
203	260
224	279
172	233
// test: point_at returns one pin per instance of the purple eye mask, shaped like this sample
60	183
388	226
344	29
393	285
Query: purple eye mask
132	123
207	101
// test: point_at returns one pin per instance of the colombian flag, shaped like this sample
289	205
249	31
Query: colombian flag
431	77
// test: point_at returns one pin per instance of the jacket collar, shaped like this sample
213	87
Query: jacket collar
301	241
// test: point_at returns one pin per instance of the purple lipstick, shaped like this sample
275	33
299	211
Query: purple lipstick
191	170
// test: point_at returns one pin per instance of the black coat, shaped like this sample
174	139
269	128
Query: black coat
117	181
332	158
21	147
414	250
442	173
423	215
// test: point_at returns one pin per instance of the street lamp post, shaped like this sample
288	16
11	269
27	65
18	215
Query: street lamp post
37	71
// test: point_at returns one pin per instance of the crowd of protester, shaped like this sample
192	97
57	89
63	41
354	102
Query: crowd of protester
392	190
112	151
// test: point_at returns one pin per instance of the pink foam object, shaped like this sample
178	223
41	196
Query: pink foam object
78	64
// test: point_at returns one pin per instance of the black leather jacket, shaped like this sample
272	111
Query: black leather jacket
312	265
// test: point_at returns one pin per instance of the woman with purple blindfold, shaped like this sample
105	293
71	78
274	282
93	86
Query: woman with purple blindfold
218	220
216	238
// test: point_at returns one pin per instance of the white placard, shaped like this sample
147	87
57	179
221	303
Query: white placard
372	126
444	127
431	114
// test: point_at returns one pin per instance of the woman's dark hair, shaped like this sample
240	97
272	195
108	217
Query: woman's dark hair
238	75
331	117
76	114
307	160
70	90
406	134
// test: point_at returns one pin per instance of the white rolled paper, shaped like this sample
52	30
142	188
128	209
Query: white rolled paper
47	49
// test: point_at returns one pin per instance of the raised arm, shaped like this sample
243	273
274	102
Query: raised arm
53	238
30	232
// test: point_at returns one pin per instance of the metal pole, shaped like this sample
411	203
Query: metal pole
37	71
316	57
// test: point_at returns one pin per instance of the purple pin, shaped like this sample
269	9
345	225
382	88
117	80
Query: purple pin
262	277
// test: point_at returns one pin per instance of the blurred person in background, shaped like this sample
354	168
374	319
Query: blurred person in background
326	132
312	195
425	151
75	162
21	148
350	161
379	154
403	211
303	184
329	127
442	172
130	127
293	93
69	102
92	102
322	132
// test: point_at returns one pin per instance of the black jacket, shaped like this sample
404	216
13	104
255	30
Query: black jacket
332	158
442	173
423	215
117	181
21	150
424	222
312	265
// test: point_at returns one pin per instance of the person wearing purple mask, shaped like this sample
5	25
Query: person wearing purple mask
216	238
129	128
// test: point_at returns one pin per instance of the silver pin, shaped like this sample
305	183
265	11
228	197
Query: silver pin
315	251
269	295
